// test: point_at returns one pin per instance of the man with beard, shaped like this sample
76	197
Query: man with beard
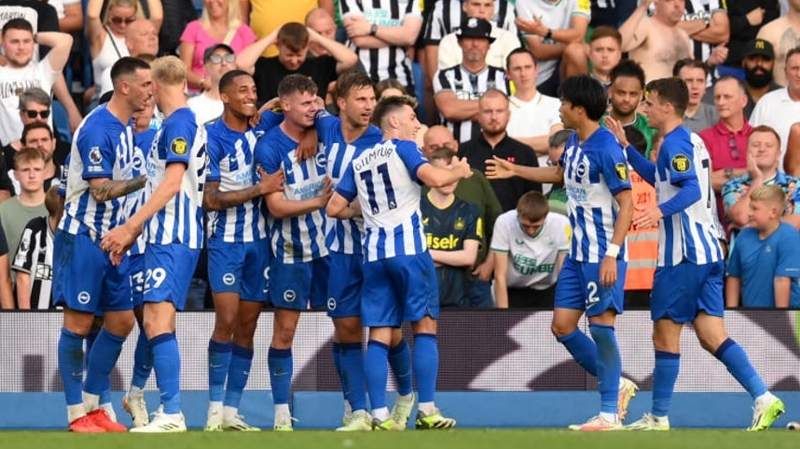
493	115
784	34
625	95
758	63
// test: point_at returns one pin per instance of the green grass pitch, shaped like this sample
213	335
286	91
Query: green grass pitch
455	439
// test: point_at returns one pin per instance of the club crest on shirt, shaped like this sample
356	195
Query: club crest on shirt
95	156
459	225
681	163
179	146
622	171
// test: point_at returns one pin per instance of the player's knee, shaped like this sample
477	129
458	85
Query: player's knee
348	330
711	341
120	324
80	323
282	336
224	324
561	330
666	343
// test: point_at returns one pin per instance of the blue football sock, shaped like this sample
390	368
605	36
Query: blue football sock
609	366
582	349
280	374
352	361
219	360
426	365
376	373
142	361
167	363
241	361
735	359
665	373
337	365
70	365
400	361
90	339
104	355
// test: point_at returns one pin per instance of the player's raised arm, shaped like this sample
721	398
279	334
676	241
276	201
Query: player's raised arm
499	168
434	176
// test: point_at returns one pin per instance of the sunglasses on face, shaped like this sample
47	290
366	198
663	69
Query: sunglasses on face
217	59
33	114
121	20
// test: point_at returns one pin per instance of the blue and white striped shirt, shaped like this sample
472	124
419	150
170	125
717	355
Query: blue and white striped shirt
301	238
102	149
595	171
141	146
231	164
691	234
384	177
179	140
343	236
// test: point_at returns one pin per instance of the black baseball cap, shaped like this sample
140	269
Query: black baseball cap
759	47
475	27
210	50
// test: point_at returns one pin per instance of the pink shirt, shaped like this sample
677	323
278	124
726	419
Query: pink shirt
195	34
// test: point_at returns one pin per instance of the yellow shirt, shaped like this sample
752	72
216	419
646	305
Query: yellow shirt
267	15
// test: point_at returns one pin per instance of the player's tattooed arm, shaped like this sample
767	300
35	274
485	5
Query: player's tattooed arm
214	199
104	189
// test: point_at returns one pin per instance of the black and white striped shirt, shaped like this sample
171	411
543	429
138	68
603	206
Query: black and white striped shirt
701	10
447	16
35	257
391	61
468	86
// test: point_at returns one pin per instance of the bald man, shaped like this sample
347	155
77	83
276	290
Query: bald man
478	191
141	38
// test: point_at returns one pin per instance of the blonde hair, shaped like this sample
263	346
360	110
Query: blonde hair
168	70
234	16
139	14
769	194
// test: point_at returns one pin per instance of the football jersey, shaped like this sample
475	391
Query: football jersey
690	234
102	148
342	236
231	163
595	171
384	177
531	259
179	140
301	238
141	145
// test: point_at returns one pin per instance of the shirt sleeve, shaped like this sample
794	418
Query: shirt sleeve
179	140
3	241
411	156
189	34
474	223
680	154
788	263
440	82
23	260
734	267
97	153
350	8
269	120
215	155
615	168
582	8
563	238
347	184
267	156
501	238
729	191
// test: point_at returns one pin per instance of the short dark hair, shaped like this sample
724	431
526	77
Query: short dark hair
293	36
348	81
691	63
390	105
636	139
125	66
792	52
227	79
559	138
606	31
671	90
586	92
533	206
296	83
627	68
389	83
519	51
35	125
17	24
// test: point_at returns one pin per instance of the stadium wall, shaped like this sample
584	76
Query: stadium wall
497	369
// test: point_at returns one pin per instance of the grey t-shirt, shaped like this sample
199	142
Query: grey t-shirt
15	216
705	117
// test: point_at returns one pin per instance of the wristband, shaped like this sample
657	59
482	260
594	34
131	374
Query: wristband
612	250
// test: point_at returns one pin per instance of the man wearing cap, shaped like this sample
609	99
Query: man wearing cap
758	62
218	60
457	89
293	40
506	41
784	34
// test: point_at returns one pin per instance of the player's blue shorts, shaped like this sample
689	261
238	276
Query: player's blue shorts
579	288
240	268
344	286
84	278
680	292
137	279
401	288
168	273
295	285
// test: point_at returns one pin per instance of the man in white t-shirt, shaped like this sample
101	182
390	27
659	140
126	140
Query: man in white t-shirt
505	41
218	60
529	246
780	109
534	117
22	72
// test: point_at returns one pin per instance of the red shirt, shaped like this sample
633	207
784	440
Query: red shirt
727	149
